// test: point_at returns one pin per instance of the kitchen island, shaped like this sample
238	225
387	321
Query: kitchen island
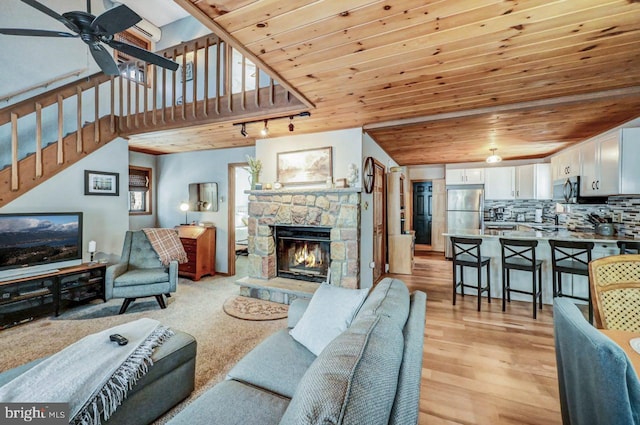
571	284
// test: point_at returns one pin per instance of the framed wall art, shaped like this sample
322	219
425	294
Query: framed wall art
309	166
101	183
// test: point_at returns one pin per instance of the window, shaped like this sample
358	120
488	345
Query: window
126	63
139	190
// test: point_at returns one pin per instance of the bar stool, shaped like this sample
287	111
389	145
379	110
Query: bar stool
572	258
520	255
629	247
466	253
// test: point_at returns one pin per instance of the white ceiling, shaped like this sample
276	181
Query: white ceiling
158	12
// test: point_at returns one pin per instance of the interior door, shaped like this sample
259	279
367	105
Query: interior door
379	222
422	211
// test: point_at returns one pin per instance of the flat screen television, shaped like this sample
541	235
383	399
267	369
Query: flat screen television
38	243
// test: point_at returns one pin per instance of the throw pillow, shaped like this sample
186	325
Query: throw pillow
329	313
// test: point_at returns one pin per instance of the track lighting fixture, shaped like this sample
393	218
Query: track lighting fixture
264	132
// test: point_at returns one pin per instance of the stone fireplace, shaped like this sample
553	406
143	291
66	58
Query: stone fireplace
335	211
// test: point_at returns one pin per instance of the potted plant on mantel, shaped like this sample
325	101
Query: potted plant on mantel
255	165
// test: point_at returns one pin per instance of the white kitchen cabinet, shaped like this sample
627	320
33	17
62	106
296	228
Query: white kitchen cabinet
565	164
609	164
464	176
531	181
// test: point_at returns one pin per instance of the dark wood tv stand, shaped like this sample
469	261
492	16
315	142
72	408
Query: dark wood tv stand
23	299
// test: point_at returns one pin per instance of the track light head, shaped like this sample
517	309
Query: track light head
291	126
265	130
243	130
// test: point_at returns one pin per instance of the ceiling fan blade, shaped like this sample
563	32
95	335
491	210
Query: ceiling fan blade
103	59
35	33
115	20
44	9
145	55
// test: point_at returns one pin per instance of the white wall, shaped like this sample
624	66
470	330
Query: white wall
369	148
346	148
105	218
138	222
176	171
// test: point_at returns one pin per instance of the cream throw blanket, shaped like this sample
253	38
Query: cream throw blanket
93	374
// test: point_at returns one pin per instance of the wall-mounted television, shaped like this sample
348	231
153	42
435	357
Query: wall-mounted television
38	243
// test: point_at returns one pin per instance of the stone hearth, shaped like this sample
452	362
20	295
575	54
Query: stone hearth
338	209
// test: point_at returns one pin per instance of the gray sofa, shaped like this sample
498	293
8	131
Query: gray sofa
168	381
370	374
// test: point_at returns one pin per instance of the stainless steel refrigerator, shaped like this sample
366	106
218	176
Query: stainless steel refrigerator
465	209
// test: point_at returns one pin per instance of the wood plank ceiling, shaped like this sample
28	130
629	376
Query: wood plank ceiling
441	81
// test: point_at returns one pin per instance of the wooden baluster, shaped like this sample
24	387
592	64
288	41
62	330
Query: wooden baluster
145	93
155	94
137	101
184	82
244	79
205	108
96	112
228	61
121	111
164	94
112	120
194	83
173	91
14	152
38	140
218	76
79	120
60	158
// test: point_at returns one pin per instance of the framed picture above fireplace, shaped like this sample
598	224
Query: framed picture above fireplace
307	166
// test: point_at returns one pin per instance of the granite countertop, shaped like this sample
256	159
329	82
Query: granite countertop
561	234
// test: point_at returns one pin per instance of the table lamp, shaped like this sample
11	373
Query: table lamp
92	250
185	207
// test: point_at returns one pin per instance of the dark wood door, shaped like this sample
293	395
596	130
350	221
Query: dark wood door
379	222
422	213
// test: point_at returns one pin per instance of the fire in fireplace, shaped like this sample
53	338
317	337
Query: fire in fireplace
303	252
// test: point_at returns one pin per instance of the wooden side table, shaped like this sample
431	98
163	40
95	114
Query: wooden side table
200	244
622	338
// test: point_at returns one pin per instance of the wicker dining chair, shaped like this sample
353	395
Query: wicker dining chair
614	283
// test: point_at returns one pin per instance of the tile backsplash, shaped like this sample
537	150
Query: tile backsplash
625	211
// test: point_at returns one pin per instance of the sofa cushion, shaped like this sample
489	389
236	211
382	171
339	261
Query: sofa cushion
354	380
390	297
277	364
407	401
329	313
232	402
135	277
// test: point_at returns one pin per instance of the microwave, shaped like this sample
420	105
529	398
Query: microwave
567	191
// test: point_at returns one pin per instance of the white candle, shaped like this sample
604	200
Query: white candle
92	246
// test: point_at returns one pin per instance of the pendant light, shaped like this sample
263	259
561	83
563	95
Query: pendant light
493	158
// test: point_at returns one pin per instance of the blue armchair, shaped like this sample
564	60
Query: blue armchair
140	273
598	384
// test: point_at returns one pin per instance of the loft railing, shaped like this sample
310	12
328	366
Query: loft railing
214	83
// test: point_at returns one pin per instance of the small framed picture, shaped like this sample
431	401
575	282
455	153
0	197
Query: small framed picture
101	183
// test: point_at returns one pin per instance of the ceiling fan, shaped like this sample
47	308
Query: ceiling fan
94	31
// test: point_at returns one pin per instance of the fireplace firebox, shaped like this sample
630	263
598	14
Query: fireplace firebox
303	252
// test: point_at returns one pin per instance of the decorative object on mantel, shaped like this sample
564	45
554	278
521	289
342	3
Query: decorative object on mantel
247	308
309	166
352	174
255	166
368	174
277	185
341	183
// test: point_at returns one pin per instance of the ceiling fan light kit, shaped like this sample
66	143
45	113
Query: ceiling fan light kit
96	31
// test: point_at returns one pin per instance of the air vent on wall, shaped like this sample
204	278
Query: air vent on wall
148	30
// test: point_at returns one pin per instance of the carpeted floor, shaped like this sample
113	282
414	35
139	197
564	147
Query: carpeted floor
196	308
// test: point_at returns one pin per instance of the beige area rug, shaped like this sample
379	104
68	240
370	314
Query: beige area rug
246	308
196	308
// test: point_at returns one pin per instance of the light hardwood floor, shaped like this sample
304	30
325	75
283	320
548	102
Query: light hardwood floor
485	367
